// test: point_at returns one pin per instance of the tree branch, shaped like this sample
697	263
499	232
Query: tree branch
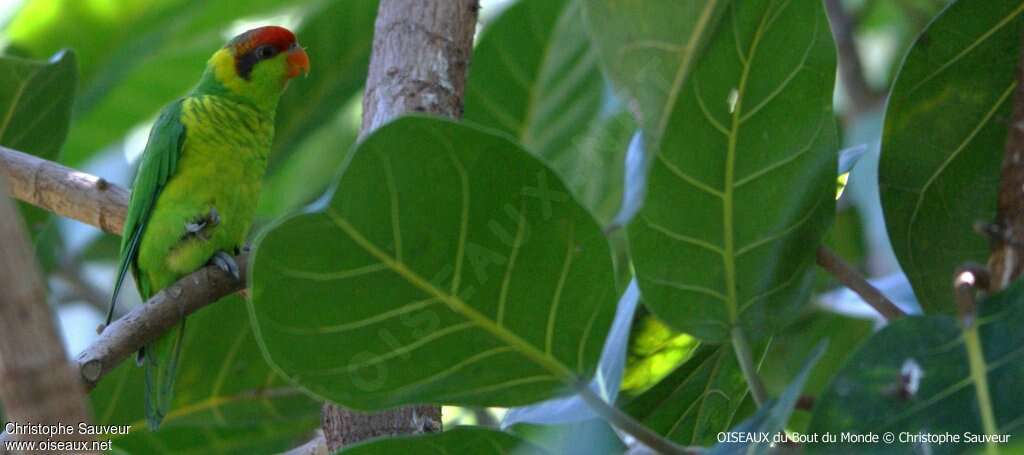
968	279
852	279
146	323
851	70
37	385
421	53
64	191
92	200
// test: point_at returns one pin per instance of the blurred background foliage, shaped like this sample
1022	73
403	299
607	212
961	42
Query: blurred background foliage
534	77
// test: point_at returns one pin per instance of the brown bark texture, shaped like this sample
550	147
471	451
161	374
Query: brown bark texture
421	53
37	384
146	323
64	191
103	205
420	61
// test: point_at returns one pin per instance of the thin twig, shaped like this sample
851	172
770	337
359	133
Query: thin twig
145	323
852	279
64	191
81	289
746	361
968	279
627	424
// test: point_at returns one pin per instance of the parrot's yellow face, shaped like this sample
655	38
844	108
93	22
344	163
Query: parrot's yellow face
258	64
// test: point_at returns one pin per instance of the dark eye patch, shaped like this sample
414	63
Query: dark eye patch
266	51
245	62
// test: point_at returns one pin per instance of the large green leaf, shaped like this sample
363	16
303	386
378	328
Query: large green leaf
338	37
262	438
929	354
943	141
772	416
535	76
698	400
136	55
473	440
225	394
445	247
650	49
742	188
35	103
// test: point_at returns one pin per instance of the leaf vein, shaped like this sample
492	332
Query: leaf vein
556	300
350	326
689	288
682	238
688	179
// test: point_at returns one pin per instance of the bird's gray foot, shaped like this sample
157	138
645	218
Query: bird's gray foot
226	263
199	227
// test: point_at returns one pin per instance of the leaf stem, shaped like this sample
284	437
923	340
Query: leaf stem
627	424
852	279
979	375
746	360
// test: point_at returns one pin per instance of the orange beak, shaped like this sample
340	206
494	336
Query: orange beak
297	61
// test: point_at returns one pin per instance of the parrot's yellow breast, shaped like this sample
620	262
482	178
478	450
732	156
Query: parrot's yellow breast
222	162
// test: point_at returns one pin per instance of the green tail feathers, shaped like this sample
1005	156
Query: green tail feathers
161	363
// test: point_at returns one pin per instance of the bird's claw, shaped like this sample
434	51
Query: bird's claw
199	227
195	228
213	217
226	263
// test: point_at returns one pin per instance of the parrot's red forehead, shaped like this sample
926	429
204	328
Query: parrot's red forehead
279	37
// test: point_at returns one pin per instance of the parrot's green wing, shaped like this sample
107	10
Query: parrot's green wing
159	161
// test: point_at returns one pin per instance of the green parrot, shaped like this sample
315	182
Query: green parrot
196	189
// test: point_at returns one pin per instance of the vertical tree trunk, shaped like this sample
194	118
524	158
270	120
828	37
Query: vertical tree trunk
37	383
1007	258
421	54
